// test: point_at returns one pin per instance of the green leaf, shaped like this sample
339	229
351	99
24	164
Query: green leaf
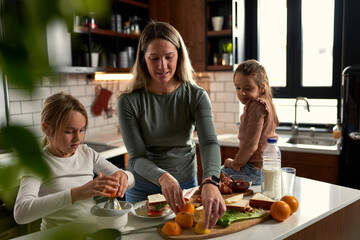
27	148
232	215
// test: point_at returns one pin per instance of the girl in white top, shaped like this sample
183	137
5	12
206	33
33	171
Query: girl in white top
67	195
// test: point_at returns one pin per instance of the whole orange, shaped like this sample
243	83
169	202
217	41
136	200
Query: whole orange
188	207
184	219
171	228
280	210
292	201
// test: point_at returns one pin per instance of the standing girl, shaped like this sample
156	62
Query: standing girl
68	193
257	123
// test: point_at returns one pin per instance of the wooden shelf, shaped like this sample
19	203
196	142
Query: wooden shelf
224	32
219	67
135	3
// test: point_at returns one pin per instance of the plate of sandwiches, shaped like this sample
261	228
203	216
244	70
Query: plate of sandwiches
154	207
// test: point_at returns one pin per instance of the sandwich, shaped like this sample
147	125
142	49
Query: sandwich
259	200
238	203
156	205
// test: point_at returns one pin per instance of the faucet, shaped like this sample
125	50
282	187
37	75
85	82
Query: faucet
295	127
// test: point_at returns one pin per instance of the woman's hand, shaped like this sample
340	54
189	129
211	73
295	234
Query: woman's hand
123	183
95	187
228	162
214	205
171	190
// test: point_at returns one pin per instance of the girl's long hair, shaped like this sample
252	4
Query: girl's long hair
254	68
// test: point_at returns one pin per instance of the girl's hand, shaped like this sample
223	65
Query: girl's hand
95	187
228	162
123	183
171	190
214	205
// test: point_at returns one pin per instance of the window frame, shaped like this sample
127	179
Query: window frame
293	87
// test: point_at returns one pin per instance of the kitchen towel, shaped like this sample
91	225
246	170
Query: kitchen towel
101	102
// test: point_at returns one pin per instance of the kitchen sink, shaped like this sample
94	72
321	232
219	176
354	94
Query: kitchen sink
99	147
319	141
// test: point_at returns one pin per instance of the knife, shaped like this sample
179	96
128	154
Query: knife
139	230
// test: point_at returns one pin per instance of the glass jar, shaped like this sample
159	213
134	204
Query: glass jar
126	27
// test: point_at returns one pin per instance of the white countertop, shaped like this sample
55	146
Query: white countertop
317	200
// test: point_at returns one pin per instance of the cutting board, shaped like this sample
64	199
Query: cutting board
217	231
195	202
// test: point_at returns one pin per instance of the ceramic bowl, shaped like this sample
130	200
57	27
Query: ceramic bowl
241	182
110	218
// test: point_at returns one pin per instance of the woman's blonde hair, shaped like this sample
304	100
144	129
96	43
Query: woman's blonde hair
254	68
160	30
56	110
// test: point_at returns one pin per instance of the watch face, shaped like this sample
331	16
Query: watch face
215	179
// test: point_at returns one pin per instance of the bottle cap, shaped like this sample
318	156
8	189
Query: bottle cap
271	140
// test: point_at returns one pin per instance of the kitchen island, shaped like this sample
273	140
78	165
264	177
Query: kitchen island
326	211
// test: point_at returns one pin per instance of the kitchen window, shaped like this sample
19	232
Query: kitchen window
299	44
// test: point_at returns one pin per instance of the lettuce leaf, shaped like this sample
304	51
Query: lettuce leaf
232	215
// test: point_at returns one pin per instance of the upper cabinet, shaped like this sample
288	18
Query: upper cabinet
109	42
224	35
188	18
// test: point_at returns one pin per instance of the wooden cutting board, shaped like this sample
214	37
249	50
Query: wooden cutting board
188	233
195	202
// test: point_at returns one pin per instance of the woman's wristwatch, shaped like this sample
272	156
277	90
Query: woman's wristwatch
211	179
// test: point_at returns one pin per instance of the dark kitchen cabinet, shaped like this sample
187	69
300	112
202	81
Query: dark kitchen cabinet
109	34
224	48
321	167
188	18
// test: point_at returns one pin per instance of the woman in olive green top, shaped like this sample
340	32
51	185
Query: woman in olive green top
158	114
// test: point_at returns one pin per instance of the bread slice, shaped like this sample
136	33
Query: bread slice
156	199
240	206
234	199
259	200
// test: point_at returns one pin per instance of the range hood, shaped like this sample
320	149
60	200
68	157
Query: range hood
58	40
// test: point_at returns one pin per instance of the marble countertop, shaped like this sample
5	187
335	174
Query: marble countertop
317	200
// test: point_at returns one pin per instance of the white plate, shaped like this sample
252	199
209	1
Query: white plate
141	206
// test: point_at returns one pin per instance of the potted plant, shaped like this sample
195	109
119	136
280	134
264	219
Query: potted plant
227	54
95	50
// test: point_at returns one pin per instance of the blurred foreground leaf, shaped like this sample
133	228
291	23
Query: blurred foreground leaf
26	147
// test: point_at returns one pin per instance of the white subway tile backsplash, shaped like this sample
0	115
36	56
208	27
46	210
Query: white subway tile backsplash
224	76
22	120
90	89
41	93
87	101
217	87
15	108
36	130
30	106
78	90
232	107
229	87
19	95
225	117
224	97
50	81
218	106
37	118
64	89
69	80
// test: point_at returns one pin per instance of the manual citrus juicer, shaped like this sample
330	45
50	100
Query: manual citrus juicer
112	203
